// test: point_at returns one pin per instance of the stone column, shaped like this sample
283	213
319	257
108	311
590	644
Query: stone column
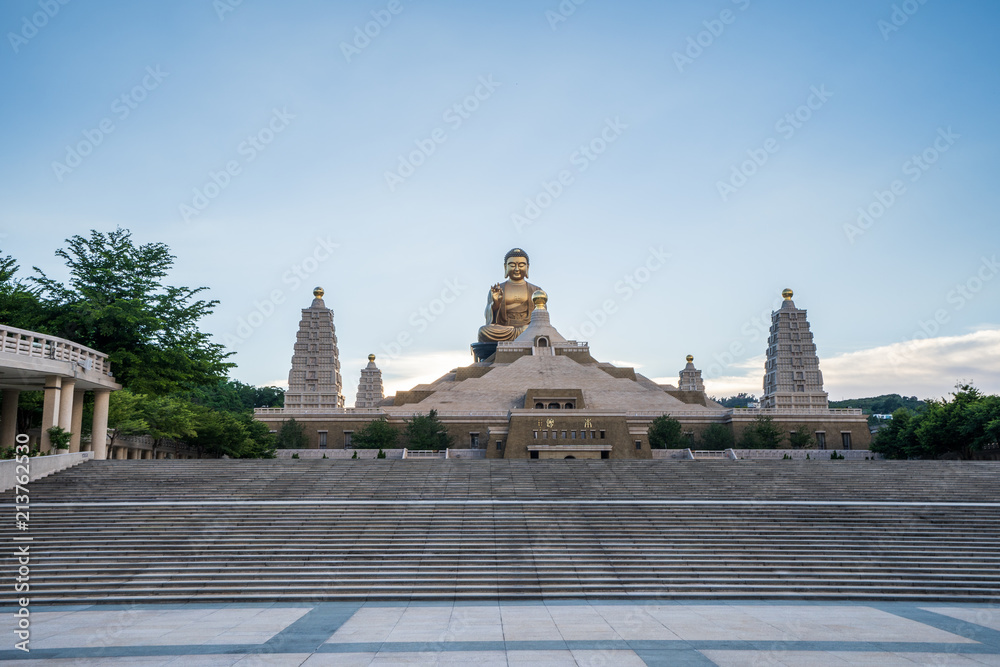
76	423
8	418
50	410
66	403
99	429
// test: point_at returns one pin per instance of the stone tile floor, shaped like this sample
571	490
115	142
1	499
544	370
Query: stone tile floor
594	634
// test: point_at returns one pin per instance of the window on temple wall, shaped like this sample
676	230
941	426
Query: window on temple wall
638	444
322	439
845	439
499	444
474	440
572	435
821	439
564	435
602	435
348	435
535	434
553	406
539	406
569	406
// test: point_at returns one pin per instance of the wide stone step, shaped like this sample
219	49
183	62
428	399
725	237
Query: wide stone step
165	531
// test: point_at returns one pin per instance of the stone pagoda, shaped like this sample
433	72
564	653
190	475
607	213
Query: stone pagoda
792	379
690	377
370	392
314	381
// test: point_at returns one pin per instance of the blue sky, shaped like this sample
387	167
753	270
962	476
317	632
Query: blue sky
262	141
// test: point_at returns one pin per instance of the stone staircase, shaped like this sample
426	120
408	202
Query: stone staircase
169	531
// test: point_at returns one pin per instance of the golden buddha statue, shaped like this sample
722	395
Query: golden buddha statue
509	305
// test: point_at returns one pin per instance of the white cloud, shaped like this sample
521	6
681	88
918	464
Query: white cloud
927	368
405	372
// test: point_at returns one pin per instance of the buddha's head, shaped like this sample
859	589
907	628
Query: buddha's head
515	265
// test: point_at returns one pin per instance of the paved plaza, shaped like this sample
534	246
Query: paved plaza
596	633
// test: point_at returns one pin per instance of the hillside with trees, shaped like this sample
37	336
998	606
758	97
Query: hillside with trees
882	405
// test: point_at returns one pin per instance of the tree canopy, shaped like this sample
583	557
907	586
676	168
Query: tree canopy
761	433
427	432
377	434
665	433
117	301
964	426
291	435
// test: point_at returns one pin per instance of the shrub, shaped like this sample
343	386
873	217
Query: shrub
59	437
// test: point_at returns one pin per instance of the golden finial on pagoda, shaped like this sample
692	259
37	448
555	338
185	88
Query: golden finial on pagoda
371	358
540	298
690	358
787	293
318	292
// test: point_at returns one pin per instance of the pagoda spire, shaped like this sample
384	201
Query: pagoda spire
314	381
370	392
792	378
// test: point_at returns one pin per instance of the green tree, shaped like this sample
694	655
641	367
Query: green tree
800	438
260	442
665	433
125	415
961	426
717	437
292	435
236	435
894	439
235	396
427	432
116	301
377	434
169	418
19	303
761	433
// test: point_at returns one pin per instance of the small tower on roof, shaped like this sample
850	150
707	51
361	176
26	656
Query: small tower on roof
690	377
314	381
792	378
370	392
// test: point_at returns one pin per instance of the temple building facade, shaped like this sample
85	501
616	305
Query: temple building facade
532	394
